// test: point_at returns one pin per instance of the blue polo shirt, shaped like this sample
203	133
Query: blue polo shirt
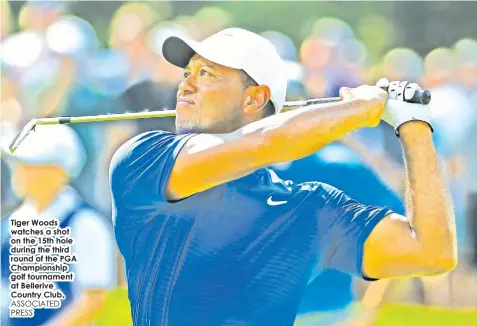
241	253
340	166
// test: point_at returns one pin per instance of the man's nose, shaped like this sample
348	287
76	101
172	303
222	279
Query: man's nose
188	86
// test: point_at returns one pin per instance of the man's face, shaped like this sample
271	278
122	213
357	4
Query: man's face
211	98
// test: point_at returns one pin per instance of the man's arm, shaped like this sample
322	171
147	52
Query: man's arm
208	160
425	242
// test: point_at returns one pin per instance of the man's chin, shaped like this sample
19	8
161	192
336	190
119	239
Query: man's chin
187	129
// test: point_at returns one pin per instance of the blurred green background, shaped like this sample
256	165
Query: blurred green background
420	25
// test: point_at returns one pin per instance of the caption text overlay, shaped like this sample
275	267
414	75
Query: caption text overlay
40	257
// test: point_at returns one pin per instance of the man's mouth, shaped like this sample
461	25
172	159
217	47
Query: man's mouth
181	101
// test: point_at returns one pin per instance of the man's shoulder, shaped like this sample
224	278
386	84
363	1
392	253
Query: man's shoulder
146	139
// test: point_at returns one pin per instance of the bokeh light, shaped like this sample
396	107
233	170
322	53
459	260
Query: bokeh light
129	21
211	20
72	35
376	33
332	30
284	45
403	64
22	50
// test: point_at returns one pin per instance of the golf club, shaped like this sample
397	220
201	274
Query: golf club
405	91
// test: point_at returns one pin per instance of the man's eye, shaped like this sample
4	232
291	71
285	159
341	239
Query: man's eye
186	74
204	73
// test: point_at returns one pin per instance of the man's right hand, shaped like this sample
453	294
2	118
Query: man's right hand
371	98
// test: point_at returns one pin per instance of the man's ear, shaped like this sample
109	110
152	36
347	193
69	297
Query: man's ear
256	98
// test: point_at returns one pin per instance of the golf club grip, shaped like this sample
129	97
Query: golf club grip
421	96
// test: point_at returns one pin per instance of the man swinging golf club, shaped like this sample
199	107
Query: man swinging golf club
211	236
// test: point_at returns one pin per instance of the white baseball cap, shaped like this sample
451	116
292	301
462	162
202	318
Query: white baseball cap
55	145
238	49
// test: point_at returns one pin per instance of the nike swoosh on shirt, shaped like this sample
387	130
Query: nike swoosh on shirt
275	203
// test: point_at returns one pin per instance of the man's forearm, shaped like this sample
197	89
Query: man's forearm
428	199
296	134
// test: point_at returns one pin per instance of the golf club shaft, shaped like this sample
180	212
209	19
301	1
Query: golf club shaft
133	116
107	117
418	96
160	114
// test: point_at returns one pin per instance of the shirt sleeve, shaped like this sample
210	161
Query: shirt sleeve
95	250
344	224
141	167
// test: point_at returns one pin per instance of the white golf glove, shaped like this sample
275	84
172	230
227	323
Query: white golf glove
397	112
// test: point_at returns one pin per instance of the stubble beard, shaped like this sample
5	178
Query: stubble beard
223	126
188	127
